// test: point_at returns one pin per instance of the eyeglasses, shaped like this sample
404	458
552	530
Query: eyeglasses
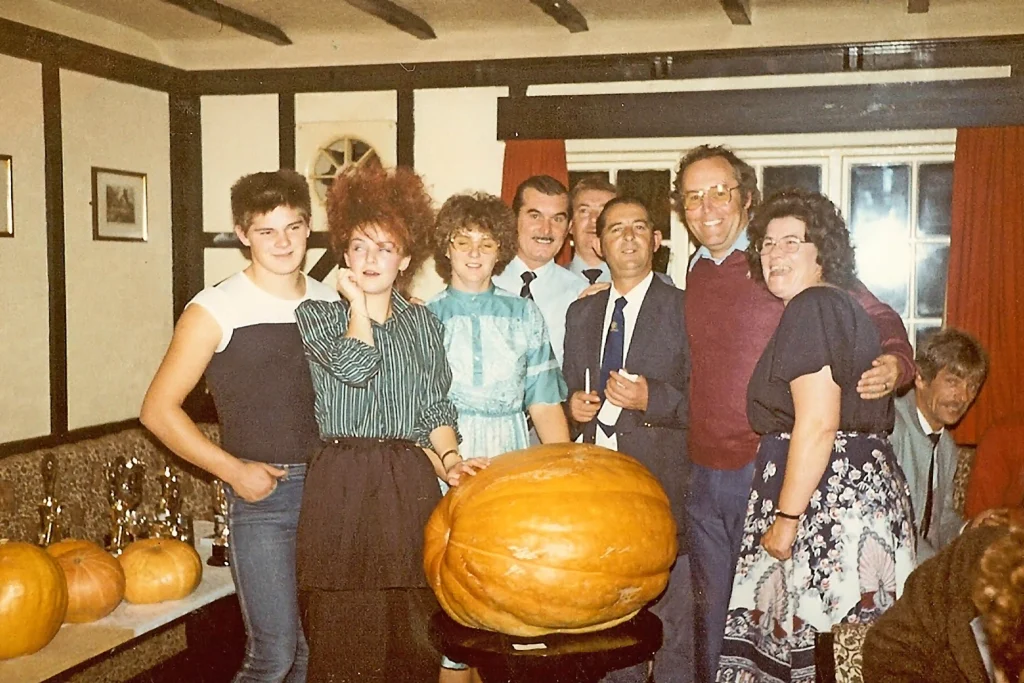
466	244
789	244
718	194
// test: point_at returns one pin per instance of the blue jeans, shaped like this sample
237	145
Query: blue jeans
716	509
262	553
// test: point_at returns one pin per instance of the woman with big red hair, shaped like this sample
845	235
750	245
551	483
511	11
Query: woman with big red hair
388	429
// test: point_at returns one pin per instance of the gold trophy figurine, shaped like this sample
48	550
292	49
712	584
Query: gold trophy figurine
124	490
50	511
219	557
167	518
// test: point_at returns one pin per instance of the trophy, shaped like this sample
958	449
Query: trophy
124	491
168	521
50	511
219	558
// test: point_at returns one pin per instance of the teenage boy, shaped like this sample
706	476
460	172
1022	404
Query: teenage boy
242	334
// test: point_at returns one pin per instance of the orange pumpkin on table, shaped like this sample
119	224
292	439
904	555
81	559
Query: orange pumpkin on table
159	569
33	598
565	538
94	577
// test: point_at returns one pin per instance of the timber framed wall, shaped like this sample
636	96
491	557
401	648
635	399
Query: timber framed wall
940	104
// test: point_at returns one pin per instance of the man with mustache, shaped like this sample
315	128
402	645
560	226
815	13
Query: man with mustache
951	366
541	206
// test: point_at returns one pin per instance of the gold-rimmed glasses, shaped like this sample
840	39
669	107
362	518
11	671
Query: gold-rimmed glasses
717	194
465	244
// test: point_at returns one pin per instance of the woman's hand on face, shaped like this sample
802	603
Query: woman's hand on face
348	286
778	540
465	468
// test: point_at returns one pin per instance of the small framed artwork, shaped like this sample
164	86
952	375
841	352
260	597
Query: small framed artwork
118	205
6	197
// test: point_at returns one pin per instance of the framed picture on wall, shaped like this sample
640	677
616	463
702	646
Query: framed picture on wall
6	197
118	205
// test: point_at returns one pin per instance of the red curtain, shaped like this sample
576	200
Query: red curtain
985	291
525	158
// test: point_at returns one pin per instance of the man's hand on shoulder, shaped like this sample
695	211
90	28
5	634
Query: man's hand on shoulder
880	379
593	289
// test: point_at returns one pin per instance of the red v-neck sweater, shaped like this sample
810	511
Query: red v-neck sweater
729	319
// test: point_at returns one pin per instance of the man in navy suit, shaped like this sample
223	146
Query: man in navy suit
627	365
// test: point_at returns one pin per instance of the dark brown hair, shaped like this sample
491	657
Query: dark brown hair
957	351
745	176
826	229
257	194
544	184
476	211
395	200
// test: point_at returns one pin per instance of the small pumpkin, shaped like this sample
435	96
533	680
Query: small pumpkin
159	569
94	577
33	598
565	538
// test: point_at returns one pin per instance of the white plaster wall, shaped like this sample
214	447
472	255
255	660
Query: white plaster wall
119	294
24	289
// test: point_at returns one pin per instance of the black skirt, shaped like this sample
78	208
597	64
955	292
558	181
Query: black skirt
364	507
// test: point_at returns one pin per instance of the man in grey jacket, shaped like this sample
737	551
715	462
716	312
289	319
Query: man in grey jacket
951	366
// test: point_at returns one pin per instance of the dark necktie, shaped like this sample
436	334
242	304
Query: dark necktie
528	277
592	274
612	360
929	501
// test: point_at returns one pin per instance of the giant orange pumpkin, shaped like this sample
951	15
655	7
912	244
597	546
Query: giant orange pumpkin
95	579
33	599
158	569
560	538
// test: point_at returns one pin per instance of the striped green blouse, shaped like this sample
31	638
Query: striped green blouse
397	389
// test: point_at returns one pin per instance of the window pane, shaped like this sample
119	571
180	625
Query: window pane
922	331
935	201
932	268
576	176
879	223
775	178
653	187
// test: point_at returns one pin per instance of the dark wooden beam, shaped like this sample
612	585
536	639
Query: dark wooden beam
286	130
514	73
399	17
822	109
917	6
405	135
53	172
564	13
240	21
186	199
738	11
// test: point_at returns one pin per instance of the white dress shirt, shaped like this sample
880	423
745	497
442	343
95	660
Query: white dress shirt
553	290
634	300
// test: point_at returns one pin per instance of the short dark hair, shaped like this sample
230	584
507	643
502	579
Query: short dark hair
745	175
826	230
955	350
593	181
481	211
260	193
544	184
622	200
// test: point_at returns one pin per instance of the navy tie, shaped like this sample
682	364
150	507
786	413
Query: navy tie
592	274
612	360
528	277
929	501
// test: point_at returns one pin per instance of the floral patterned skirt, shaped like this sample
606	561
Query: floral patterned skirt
854	549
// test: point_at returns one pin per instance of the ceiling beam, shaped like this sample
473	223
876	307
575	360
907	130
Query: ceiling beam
399	17
564	13
240	21
917	6
739	11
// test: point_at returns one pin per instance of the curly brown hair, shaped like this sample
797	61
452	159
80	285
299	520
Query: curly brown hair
825	229
395	201
474	211
999	597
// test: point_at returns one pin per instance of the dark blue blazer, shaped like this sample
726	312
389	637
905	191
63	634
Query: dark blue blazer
659	351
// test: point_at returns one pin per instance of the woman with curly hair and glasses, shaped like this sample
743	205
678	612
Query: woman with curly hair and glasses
497	343
381	380
827	537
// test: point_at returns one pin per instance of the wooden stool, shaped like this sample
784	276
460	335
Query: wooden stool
554	658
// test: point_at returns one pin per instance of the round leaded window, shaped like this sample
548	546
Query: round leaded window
340	156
